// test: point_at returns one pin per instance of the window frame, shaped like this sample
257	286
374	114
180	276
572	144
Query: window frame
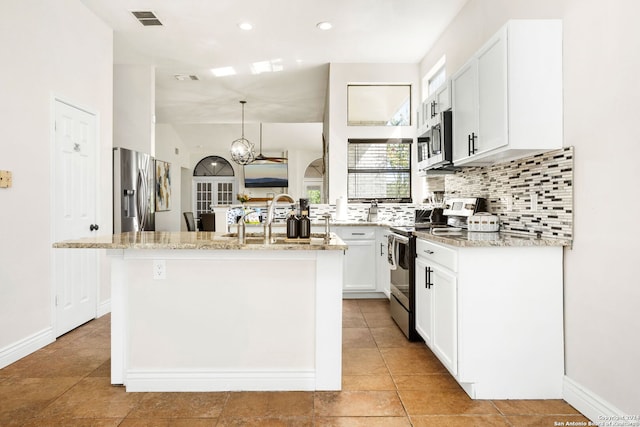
408	171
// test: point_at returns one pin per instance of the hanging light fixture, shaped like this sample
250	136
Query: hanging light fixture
242	150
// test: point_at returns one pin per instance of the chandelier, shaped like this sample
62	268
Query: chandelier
242	150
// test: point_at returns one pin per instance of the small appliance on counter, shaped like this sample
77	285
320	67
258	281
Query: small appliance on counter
373	212
458	210
484	222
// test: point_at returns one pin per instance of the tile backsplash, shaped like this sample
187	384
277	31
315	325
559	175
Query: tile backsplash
510	187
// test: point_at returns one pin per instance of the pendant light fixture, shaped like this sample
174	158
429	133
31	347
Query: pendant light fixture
242	150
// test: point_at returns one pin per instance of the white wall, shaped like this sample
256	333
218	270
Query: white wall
336	130
601	98
134	98
166	151
46	48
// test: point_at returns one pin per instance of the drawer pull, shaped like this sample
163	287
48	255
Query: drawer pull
357	234
428	251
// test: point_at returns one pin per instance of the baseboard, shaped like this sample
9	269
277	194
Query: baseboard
203	381
16	351
590	404
104	307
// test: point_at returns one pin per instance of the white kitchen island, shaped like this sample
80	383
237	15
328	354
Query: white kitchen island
199	312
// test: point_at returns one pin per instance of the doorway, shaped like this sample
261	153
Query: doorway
74	211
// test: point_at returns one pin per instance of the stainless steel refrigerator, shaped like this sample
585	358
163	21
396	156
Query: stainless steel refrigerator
133	191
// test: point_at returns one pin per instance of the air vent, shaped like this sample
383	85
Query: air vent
183	77
147	18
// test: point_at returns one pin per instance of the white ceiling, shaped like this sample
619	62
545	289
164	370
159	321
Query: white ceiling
198	35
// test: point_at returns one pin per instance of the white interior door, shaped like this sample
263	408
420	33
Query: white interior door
74	204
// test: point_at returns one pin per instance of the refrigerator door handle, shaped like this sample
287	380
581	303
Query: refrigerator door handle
141	200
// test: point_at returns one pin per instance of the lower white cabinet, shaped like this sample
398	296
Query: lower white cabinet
494	317
359	260
383	277
436	321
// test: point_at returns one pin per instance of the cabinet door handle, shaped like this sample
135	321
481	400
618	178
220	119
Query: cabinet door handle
473	142
381	246
469	144
426	277
433	109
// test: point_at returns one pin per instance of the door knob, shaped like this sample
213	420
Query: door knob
93	227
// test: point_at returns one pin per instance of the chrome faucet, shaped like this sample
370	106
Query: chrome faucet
242	235
270	213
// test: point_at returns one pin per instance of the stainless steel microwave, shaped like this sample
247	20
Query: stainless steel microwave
435	148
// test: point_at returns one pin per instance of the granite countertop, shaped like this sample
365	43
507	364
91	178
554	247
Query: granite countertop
197	240
481	239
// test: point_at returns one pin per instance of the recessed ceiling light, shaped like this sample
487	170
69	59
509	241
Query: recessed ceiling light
324	25
223	71
246	26
271	66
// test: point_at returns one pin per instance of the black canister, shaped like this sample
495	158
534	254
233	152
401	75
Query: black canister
305	226
304	206
437	217
293	226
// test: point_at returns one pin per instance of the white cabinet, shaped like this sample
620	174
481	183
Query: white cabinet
507	99
359	260
430	109
494	317
436	304
383	278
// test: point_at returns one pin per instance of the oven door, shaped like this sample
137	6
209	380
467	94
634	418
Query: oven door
400	254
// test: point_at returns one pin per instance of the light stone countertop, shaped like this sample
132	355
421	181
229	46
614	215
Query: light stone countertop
200	240
481	239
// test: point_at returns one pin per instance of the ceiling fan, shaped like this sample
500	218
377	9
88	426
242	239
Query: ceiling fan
260	156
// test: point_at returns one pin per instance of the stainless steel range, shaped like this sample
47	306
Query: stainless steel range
402	253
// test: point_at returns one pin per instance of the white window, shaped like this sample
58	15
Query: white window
434	78
379	169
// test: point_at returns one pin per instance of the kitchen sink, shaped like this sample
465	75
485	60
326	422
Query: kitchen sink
278	239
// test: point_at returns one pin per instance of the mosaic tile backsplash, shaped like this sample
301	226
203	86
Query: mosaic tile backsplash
509	188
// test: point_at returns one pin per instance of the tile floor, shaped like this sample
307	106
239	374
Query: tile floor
387	382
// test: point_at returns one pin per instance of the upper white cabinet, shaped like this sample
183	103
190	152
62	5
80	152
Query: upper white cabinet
431	108
507	99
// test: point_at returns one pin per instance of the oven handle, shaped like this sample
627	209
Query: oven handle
402	239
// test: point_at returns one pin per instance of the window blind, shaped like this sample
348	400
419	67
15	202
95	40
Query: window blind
379	169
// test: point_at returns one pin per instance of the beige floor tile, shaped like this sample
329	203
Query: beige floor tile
362	422
357	338
411	361
428	382
168	422
546	420
444	402
379	319
459	421
392	336
534	407
266	422
350	306
23	398
363	361
103	370
356	321
374	305
368	382
67	362
269	404
358	404
92	398
180	405
79	422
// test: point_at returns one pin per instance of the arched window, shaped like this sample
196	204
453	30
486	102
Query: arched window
313	179
214	184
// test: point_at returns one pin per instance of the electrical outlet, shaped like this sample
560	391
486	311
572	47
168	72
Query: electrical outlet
508	200
159	269
534	201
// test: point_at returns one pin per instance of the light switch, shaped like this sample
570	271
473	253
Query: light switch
5	179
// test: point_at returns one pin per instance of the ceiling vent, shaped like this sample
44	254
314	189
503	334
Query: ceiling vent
183	77
147	18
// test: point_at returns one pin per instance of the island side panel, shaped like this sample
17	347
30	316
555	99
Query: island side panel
329	320
118	285
227	320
